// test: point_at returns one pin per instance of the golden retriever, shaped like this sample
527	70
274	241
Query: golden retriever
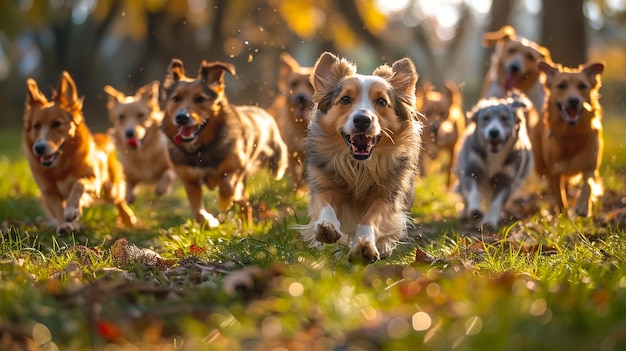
514	66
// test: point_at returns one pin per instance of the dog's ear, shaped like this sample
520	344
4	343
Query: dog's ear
113	96
149	93
67	97
403	77
328	71
213	72
452	92
548	69
593	70
34	97
505	33
175	72
287	65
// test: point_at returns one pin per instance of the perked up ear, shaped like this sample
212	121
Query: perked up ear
213	72
403	77
67	97
175	72
593	70
548	69
33	94
149	93
327	73
505	33
113	96
287	65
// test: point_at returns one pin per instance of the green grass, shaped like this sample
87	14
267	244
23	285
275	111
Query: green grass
542	283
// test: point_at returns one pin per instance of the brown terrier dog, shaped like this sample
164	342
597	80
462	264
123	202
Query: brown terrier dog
292	109
570	137
445	123
71	166
215	143
141	145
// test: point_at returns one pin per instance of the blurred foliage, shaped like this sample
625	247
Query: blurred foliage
127	43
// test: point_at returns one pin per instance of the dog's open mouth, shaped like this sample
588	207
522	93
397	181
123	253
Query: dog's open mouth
361	145
571	114
303	110
48	160
495	144
133	142
188	133
510	79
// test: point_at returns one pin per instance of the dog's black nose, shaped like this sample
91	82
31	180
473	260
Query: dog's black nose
514	68
182	118
40	149
573	102
494	133
362	122
130	133
301	99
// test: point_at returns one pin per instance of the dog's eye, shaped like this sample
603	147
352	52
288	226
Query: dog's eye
530	57
511	50
37	126
381	102
561	85
345	100
56	124
141	115
582	86
199	99
176	98
121	117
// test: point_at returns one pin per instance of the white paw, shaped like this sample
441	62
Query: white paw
209	219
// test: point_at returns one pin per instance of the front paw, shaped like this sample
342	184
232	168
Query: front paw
204	217
71	213
325	232
364	251
68	228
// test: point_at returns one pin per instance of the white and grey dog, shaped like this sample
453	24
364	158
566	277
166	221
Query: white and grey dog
495	157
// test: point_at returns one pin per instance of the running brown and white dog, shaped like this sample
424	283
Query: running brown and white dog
141	145
495	157
514	66
570	137
445	123
215	143
362	153
71	166
292	109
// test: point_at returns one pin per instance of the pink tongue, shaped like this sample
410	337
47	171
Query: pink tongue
572	113
46	158
184	132
509	82
133	142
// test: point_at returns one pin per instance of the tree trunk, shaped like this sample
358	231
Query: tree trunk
563	31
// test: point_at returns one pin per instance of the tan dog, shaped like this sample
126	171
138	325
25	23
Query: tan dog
570	136
514	65
215	143
141	145
445	123
71	167
362	153
292	109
